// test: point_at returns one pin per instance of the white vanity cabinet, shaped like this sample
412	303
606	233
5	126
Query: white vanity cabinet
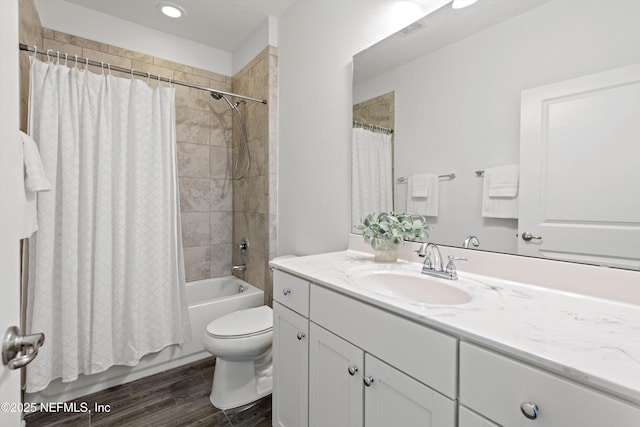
373	368
290	350
512	393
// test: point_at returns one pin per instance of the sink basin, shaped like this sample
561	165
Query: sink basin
408	284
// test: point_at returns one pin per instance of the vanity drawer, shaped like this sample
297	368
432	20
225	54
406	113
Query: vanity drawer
291	291
496	387
420	352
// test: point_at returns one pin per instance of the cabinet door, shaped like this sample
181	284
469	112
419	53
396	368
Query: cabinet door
335	380
395	399
468	418
290	368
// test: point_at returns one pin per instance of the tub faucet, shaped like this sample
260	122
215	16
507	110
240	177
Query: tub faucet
241	267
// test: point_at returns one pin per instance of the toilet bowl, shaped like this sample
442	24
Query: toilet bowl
241	342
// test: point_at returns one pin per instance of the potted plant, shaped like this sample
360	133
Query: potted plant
385	231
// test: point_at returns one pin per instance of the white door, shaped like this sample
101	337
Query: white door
392	398
10	181
335	380
580	169
290	368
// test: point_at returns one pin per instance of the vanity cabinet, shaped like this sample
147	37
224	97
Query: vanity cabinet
512	393
290	351
373	368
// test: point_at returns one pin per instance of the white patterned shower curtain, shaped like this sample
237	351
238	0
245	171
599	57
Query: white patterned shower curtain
372	174
106	275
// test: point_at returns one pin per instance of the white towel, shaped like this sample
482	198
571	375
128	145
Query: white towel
427	206
421	184
503	181
34	181
502	201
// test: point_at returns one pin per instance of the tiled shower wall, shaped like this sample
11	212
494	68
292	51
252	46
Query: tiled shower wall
204	130
254	197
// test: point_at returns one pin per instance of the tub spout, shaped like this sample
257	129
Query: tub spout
241	267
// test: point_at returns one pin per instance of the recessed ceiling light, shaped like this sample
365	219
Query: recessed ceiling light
459	4
171	10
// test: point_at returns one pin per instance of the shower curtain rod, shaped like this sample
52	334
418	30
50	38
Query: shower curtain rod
50	53
373	128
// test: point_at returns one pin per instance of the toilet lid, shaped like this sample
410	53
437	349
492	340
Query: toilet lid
250	321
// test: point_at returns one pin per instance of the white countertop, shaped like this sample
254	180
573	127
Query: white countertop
590	340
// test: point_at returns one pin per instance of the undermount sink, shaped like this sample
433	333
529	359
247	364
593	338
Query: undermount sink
407	284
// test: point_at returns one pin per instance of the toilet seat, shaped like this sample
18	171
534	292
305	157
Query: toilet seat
242	323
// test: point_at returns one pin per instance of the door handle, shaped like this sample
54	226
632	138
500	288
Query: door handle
19	350
526	236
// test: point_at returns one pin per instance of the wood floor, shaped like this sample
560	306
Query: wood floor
179	397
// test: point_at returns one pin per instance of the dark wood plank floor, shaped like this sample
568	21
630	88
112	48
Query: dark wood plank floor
179	397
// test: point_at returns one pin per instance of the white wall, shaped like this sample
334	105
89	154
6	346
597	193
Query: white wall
458	109
317	40
80	21
265	34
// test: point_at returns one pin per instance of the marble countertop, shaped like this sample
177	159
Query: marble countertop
590	340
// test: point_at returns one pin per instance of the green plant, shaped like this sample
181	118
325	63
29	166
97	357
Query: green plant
393	228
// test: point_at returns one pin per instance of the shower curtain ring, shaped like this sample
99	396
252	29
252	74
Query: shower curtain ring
86	64
109	68
35	50
148	76
66	56
102	67
48	56
76	61
132	74
58	53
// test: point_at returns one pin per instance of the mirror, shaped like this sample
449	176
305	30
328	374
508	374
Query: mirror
456	78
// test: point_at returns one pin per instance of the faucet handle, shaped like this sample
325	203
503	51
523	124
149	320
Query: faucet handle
451	267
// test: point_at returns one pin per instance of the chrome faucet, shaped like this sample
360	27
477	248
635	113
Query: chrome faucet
471	240
434	268
241	267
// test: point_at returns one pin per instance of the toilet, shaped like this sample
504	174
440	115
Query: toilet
241	342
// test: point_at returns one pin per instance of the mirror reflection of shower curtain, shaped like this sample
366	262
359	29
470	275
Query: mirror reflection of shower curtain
372	174
106	274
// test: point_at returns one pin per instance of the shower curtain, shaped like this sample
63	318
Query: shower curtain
372	174
106	275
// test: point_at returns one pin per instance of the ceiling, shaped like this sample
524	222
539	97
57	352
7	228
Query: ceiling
222	24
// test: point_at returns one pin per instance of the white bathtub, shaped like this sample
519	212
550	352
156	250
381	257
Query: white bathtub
207	300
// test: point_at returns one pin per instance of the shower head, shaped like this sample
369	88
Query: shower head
216	95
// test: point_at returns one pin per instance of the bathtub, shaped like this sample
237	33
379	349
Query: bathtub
207	300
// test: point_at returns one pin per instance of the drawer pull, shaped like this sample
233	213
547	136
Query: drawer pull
286	291
352	370
529	410
301	335
367	381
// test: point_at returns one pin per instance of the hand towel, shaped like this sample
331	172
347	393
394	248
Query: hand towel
506	204
426	206
503	181
421	184
34	181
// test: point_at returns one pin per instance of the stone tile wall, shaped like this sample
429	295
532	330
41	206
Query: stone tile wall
254	197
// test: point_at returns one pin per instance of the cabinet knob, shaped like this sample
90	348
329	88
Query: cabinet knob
301	335
352	370
286	291
529	410
367	381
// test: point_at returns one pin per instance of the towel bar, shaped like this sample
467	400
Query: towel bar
404	179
